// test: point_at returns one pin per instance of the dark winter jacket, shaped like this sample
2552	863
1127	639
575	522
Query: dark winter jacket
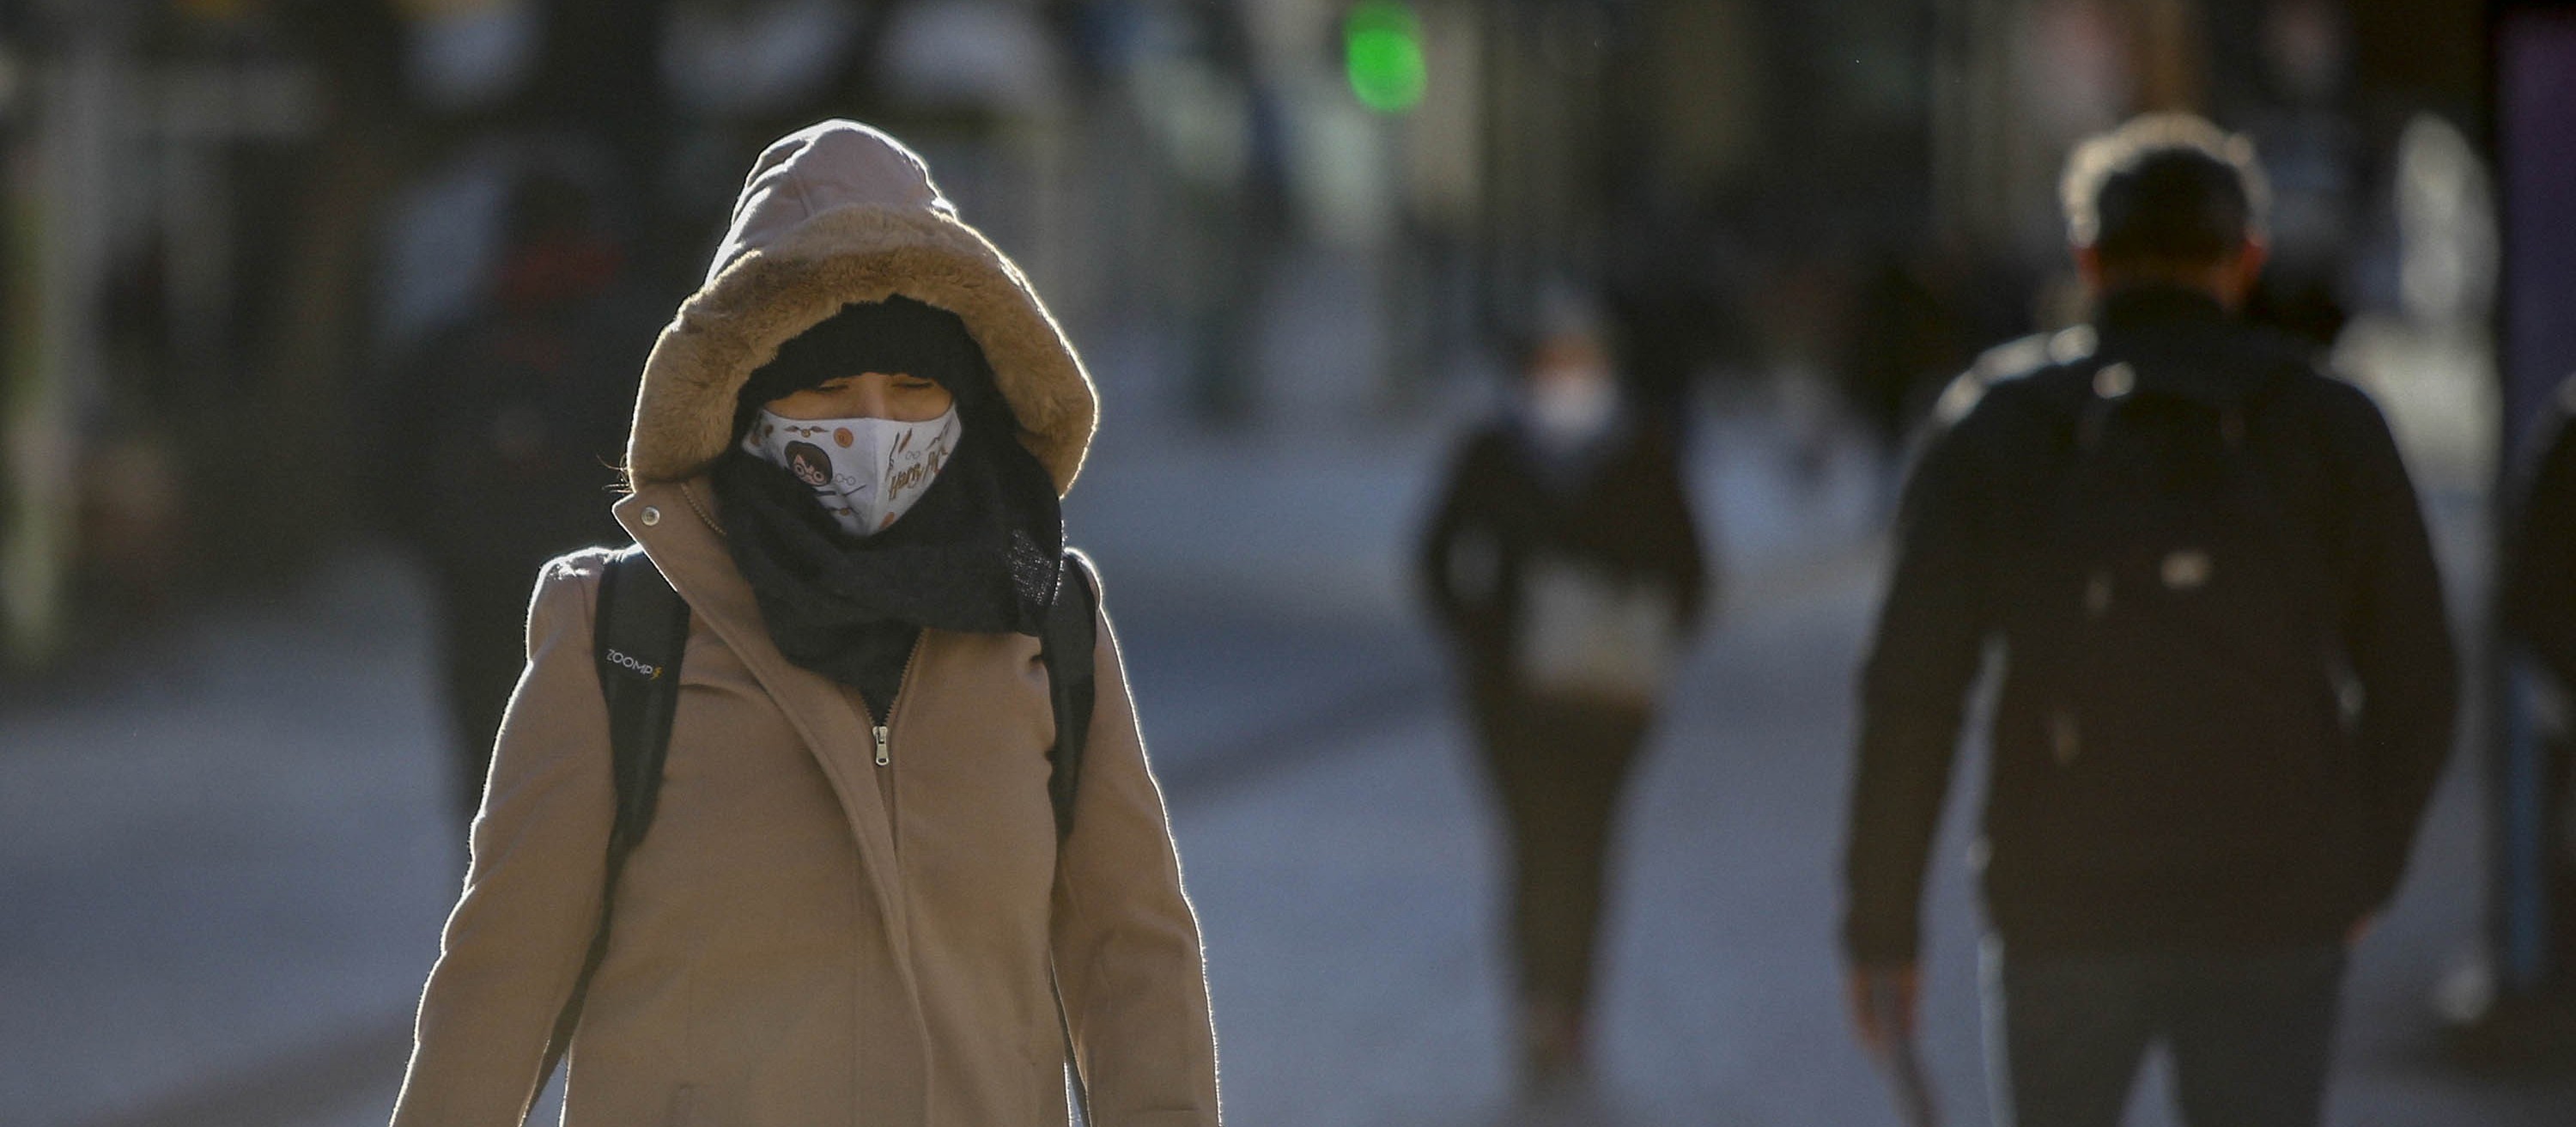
2538	600
1619	508
2191	750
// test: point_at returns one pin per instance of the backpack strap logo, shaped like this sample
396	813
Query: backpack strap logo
628	662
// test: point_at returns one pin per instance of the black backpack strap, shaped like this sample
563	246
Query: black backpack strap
1066	649
1072	689
639	630
642	627
2315	570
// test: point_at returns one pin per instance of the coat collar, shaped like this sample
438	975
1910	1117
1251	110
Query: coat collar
674	521
2148	308
2183	343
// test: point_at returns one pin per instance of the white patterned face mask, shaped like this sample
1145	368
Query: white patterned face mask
866	472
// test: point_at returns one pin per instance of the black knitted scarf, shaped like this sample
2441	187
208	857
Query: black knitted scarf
977	553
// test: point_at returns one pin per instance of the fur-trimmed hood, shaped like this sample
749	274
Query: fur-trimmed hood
833	214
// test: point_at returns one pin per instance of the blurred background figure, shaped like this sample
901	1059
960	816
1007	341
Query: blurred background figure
2298	118
1565	568
490	451
2536	604
1914	327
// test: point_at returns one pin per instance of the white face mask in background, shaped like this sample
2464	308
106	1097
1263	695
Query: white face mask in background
1570	408
866	472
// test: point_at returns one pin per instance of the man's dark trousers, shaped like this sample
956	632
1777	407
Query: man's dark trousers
2250	1033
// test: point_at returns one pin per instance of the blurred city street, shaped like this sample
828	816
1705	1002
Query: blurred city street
319	316
226	865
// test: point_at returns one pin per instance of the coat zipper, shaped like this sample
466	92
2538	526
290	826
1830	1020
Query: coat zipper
884	758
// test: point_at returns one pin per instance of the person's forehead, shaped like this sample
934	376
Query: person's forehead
870	373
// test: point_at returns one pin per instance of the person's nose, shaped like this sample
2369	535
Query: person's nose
873	402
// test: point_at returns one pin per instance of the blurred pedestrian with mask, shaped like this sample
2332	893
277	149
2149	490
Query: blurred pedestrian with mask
862	898
1564	564
498	450
2228	682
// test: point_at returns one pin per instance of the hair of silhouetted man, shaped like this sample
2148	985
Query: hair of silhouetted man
2165	189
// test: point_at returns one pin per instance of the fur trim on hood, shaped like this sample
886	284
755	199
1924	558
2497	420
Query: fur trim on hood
833	214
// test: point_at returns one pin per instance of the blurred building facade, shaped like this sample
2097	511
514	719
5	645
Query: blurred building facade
233	219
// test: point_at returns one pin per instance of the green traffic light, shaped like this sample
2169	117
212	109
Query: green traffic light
1382	49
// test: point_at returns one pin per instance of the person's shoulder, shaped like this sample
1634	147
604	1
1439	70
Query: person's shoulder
2015	372
1079	567
2012	379
573	576
2344	407
579	565
1078	588
2333	392
2553	432
2290	362
2347	424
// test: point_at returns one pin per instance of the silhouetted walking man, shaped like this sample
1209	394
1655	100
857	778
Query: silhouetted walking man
2228	683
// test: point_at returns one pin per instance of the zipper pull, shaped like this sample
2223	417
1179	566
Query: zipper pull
880	731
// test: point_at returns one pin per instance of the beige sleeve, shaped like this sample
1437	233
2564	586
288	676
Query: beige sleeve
1126	942
516	940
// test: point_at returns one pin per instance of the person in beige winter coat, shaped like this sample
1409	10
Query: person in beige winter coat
852	906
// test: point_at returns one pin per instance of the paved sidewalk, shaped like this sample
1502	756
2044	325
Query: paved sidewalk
236	854
225	871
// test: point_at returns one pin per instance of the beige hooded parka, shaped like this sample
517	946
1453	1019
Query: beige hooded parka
806	937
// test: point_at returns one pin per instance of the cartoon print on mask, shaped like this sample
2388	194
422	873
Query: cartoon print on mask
810	464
